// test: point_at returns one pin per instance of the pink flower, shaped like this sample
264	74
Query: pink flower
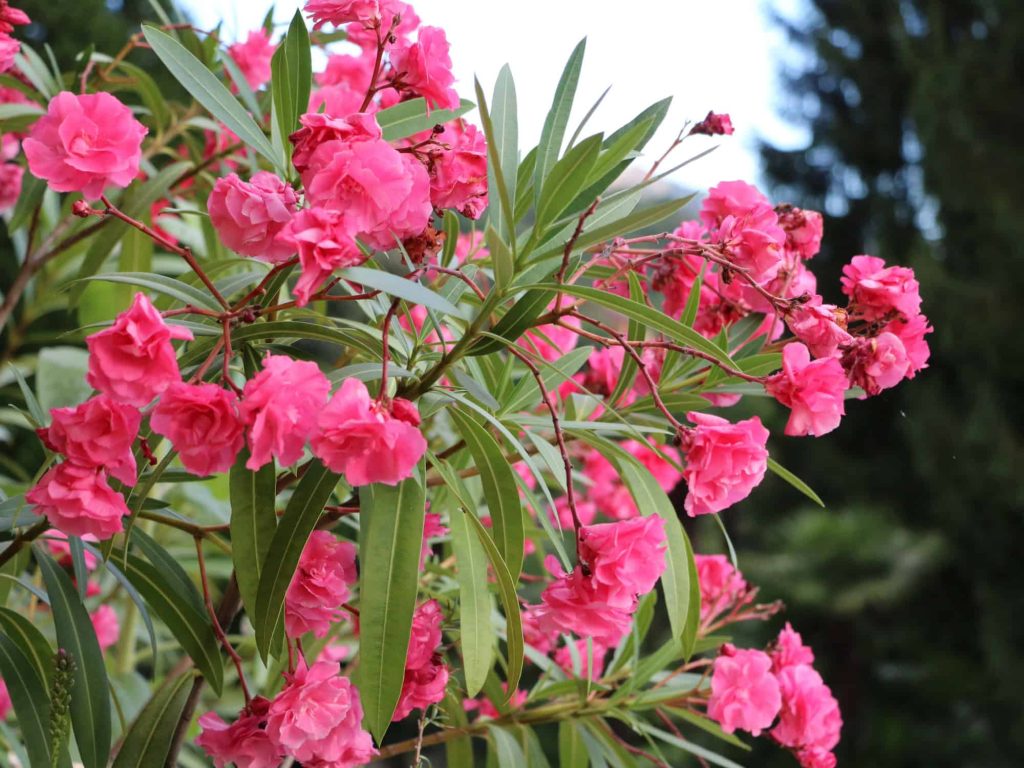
877	363
458	175
10	185
253	58
5	701
251	218
724	461
77	501
875	290
809	717
339	12
97	433
133	361
353	72
365	36
715	124
280	406
59	546
364	441
317	718
426	674
912	333
820	327
324	244
804	230
320	585
744	692
721	585
812	390
319	128
625	558
741	219
425	68
245	742
9	48
11	17
816	758
202	423
85	144
574	603
383	193
790	650
106	626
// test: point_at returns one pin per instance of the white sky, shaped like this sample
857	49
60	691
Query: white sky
707	54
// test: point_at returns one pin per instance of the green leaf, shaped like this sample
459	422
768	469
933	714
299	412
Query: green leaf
509	603
253	524
395	285
31	701
502	259
500	490
190	627
299	519
565	181
180	583
557	119
515	322
148	740
795	481
506	748
652	318
208	91
90	700
501	129
526	392
572	752
693	299
476	631
413	116
31	641
635	332
168	286
391	535
688	746
291	79
29	201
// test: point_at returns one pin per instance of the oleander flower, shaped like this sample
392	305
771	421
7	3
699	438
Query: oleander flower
106	626
724	461
790	650
425	68
133	361
721	585
85	143
820	327
279	407
458	174
245	742
744	692
96	433
325	244
203	425
253	58
78	501
813	390
327	567
809	717
252	217
626	558
877	291
339	12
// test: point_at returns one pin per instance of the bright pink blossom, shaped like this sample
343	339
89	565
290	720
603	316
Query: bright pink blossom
325	244
10	185
11	17
425	68
280	406
912	333
251	217
245	742
790	650
202	423
625	558
721	585
458	174
253	58
812	390
742	220
576	604
5	700
133	361
804	230
319	128
715	124
85	144
744	692
106	626
724	461
320	585
876	290
317	719
352	72
339	12
9	48
384	194
363	440
78	501
366	36
426	674
820	327
809	717
877	363
96	433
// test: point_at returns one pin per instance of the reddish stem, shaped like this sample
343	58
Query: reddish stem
218	630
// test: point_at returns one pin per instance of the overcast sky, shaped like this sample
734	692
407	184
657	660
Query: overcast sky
706	54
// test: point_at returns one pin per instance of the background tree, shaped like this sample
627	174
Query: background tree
915	111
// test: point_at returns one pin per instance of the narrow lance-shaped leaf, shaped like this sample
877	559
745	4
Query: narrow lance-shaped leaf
90	700
409	117
297	523
148	739
253	524
553	133
30	700
565	180
391	535
291	79
500	489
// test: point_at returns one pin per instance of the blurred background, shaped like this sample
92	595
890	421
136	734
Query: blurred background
902	121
